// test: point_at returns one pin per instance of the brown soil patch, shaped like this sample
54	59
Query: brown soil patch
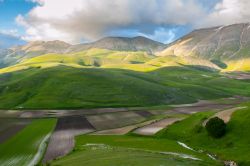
114	120
145	114
62	140
122	130
153	128
224	115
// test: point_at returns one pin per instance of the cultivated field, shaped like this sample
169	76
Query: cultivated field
153	128
115	120
9	127
62	139
26	148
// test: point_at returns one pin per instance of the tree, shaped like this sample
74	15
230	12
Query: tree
216	127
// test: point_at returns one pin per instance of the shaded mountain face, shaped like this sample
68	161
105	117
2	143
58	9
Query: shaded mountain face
225	43
16	54
122	44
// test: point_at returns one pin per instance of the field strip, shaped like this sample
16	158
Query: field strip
62	140
115	120
153	128
122	130
224	115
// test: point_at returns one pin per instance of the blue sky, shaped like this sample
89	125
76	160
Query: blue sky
76	21
9	9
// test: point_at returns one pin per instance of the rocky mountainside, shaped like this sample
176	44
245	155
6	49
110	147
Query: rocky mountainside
221	48
224	43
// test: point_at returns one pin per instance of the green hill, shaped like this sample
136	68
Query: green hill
69	87
233	146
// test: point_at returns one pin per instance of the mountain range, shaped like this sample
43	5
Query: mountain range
222	48
125	72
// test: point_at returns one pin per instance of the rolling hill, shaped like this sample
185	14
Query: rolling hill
125	72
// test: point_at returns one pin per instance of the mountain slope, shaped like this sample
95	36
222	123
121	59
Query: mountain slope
16	54
64	87
225	46
121	44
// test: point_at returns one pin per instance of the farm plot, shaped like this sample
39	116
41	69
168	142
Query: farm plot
62	140
27	146
201	106
122	130
9	127
153	128
145	114
115	120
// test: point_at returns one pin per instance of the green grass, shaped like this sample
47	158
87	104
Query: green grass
22	148
233	146
113	156
65	87
128	150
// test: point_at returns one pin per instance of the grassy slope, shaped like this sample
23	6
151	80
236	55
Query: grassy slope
233	146
129	150
22	148
68	87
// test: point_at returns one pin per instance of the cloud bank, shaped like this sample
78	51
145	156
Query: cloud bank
77	20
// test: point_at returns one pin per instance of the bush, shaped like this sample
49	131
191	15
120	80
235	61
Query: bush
216	127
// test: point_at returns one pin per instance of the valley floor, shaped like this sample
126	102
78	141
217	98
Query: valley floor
134	136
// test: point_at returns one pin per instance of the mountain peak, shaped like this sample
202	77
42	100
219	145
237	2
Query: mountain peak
138	43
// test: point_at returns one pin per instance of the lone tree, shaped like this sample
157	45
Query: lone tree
216	127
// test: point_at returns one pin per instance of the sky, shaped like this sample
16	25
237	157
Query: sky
77	21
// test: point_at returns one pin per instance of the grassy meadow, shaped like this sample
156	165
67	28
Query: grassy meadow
65	87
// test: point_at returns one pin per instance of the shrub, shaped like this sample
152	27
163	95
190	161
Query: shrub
216	127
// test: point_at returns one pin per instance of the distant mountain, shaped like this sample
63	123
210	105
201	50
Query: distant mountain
16	54
121	44
225	46
43	47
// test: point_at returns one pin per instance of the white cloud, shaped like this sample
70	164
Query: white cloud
161	33
227	12
90	19
10	32
75	20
